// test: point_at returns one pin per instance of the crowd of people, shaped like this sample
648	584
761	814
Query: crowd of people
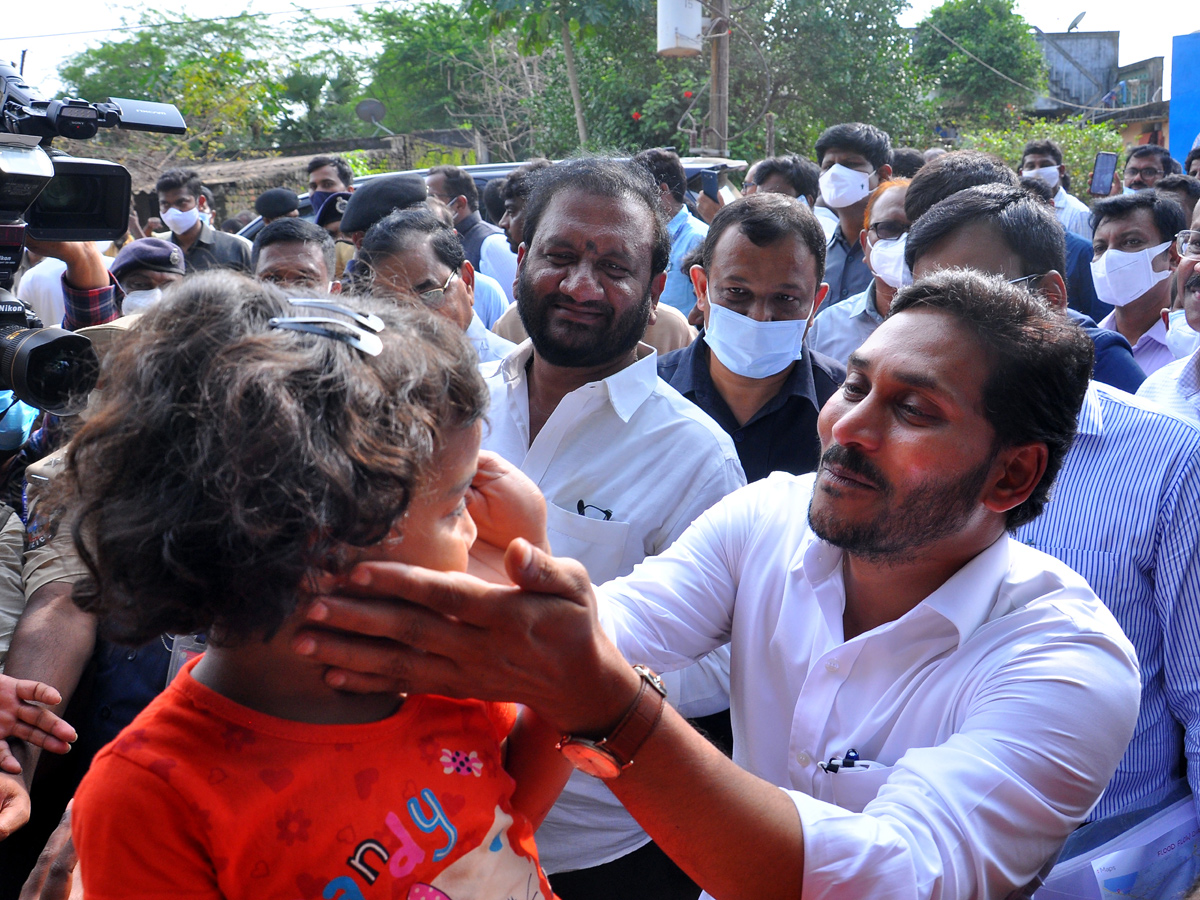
579	535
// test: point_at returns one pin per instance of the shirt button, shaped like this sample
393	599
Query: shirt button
803	758
737	436
831	665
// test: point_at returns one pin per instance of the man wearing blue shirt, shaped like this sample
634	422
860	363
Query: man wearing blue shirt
1125	512
686	230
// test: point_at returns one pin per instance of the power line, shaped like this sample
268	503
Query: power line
1033	91
285	12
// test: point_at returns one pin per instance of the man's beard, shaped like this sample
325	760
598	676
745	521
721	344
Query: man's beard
573	344
929	512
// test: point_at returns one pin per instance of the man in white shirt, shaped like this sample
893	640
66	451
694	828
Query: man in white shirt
414	255
1176	386
1044	160
687	232
1134	246
624	461
969	697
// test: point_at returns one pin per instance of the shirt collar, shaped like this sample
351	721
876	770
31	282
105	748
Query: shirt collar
960	600
1060	198
1157	333
678	220
693	376
1189	376
627	389
469	221
864	305
1091	417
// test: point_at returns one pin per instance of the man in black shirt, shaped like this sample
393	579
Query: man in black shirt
182	205
758	286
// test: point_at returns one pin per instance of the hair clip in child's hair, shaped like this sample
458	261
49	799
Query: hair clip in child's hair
366	320
336	329
361	333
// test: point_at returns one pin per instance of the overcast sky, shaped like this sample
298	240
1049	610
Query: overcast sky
33	27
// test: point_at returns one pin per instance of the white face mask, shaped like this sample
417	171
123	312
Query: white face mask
887	261
181	222
753	349
137	301
842	187
1181	339
1122	277
1048	174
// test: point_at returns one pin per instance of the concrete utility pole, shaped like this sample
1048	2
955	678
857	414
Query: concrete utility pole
717	138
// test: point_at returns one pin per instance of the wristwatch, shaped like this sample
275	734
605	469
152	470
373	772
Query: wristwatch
609	756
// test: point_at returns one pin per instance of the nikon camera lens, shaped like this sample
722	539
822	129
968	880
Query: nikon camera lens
49	368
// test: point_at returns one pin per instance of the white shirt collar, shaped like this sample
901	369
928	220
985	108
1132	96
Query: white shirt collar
627	389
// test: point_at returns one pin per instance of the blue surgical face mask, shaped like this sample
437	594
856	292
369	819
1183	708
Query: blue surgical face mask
318	198
750	348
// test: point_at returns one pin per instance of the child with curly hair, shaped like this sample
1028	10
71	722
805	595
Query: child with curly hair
244	442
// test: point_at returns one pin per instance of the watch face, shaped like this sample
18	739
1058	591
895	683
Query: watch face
590	759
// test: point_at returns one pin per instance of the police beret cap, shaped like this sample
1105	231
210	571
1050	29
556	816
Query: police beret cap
379	197
148	253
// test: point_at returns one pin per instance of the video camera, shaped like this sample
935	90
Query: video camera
57	198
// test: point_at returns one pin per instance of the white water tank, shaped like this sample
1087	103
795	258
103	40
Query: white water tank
679	27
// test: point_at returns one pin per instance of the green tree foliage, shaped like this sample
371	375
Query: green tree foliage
991	31
1079	139
226	94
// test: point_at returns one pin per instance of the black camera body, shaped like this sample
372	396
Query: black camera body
56	197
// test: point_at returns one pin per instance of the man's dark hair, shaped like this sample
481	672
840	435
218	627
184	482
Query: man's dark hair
294	230
874	145
520	181
1184	184
1193	154
400	231
229	458
459	183
1044	147
493	200
802	174
765	219
666	168
906	161
601	177
953	172
176	179
1028	226
1037	188
1169	165
1040	363
345	175
1169	217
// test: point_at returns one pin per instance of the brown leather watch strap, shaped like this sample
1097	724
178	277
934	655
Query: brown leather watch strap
631	732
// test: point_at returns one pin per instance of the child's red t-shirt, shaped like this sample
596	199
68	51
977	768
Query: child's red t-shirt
202	797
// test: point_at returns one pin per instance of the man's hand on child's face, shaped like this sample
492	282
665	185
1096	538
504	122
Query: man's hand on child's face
505	504
14	804
22	715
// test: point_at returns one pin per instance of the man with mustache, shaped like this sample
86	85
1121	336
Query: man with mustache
922	705
1176	386
579	407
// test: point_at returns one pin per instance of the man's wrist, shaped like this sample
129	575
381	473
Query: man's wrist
612	695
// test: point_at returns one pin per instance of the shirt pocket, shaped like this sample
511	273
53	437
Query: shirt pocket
854	788
598	544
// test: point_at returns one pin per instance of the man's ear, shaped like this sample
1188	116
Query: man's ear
657	283
885	173
1017	471
335	287
467	274
521	251
1054	289
1173	256
700	287
822	293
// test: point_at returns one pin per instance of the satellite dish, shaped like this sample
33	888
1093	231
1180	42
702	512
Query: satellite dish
1075	21
372	112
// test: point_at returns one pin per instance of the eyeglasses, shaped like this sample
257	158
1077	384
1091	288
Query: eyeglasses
1132	172
435	298
1027	278
887	230
1188	244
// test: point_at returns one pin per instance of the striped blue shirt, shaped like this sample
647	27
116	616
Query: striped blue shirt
1125	514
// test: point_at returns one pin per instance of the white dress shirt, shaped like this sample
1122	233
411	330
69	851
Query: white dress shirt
489	346
497	261
613	445
490	301
1074	214
1151	351
996	709
1176	388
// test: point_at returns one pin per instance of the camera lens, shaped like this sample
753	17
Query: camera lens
49	368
